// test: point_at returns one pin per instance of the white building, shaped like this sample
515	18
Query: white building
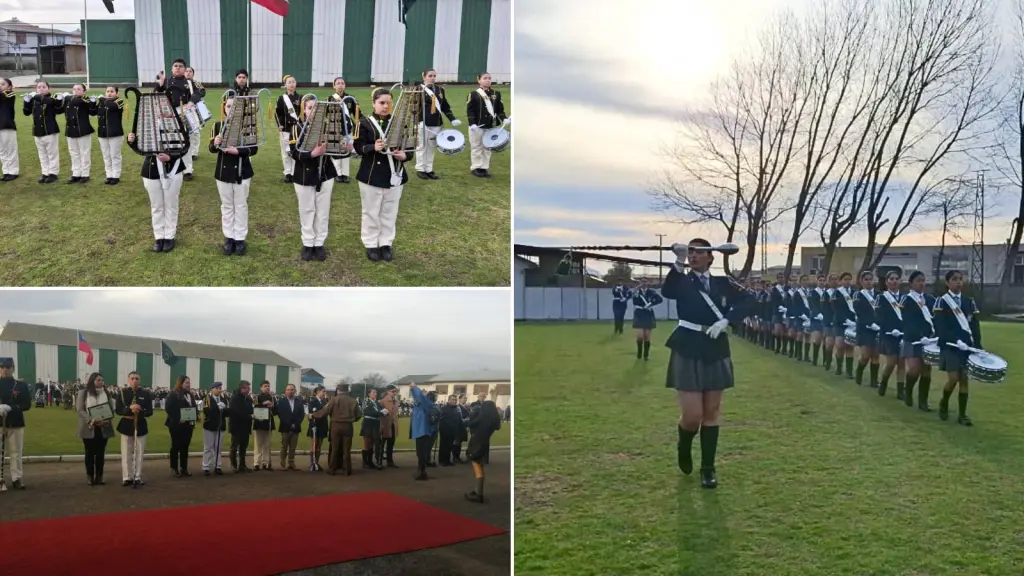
17	37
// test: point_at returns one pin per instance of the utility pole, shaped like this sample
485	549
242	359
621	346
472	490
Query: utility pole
661	253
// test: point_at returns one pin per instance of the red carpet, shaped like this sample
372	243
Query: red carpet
297	533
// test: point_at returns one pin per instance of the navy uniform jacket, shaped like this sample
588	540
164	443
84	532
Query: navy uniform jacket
765	299
374	168
647	297
16	395
149	162
778	298
240	411
290	419
109	112
7	102
230	168
685	289
285	122
828	311
353	108
433	108
212	414
915	325
885	314
814	298
476	109
948	328
195	88
310	171
797	306
841	307
44	110
315	405
371	418
258	403
865	309
76	114
185	95
620	296
122	407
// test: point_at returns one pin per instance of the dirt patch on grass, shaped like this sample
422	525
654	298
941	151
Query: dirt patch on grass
539	491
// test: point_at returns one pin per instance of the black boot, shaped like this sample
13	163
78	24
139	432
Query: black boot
849	367
899	390
839	366
647	349
860	373
708	447
908	391
807	352
685	449
962	417
639	349
874	375
817	351
922	394
944	404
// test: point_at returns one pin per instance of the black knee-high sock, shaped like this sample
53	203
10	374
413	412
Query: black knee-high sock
639	348
799	353
860	372
908	390
874	373
849	365
923	388
708	446
962	405
807	350
685	448
817	351
945	396
647	348
778	344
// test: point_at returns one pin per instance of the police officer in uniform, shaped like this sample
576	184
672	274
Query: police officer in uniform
15	400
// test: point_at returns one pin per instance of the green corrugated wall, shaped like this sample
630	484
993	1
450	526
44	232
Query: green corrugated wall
282	378
234	42
476	26
419	39
112	58
144	366
25	363
107	366
206	373
177	369
259	374
298	40
234	376
175	24
357	56
67	363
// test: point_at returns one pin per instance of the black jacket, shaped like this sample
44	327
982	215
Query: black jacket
76	115
374	168
44	110
915	324
433	108
7	103
285	122
309	171
183	94
476	109
18	396
258	403
290	420
240	412
212	414
947	326
230	168
732	302
110	112
172	407
123	402
150	172
320	424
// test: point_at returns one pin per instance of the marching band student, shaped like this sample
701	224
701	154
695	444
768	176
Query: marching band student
215	417
184	97
917	325
8	132
240	425
389	423
241	85
287	116
435	103
797	311
370	431
43	108
263	429
484	110
164	194
700	364
867	330
180	430
889	315
381	177
15	400
845	317
233	175
767	313
134	405
483	423
817	316
110	132
958	329
620	300
778	306
291	411
318	428
313	181
828	314
644	301
94	432
79	133
194	89
342	165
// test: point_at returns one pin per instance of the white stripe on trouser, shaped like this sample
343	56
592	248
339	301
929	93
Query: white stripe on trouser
425	155
341	165
15	450
234	209
163	205
286	157
314	212
261	452
111	149
211	455
49	156
80	150
9	152
480	157
127	450
380	213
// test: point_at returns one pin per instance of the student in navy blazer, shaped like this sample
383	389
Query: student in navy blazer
889	315
867	329
645	299
700	364
918	323
956	324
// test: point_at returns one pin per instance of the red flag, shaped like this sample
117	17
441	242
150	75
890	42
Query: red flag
279	7
83	346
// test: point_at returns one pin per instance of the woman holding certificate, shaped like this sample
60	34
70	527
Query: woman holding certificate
95	411
181	421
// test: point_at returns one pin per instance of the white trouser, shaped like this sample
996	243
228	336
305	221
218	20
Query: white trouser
193	145
81	155
127	451
15	449
380	212
314	212
341	165
234	209
213	446
261	452
286	157
480	157
49	155
9	152
111	148
428	144
163	205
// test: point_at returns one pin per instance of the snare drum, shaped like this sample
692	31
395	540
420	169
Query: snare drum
987	368
191	119
450	142
930	354
204	113
850	336
496	139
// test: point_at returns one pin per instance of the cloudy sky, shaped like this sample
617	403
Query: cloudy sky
596	103
64	14
347	332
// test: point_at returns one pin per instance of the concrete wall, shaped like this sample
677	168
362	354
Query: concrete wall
554	303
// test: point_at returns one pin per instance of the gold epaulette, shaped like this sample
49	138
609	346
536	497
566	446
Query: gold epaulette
198	84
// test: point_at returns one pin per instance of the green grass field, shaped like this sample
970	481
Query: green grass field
451	232
816	475
50	431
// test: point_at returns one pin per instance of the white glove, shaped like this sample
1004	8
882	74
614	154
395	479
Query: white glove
959	344
681	251
782	310
92	99
896	334
716	329
506	122
384	411
474	127
60	96
929	340
819	317
221	405
456	122
804	317
28	98
5	409
850	324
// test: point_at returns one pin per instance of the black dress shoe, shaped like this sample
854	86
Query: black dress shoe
287	179
188	177
344	180
372	254
320	253
107	181
708	478
943	411
83	179
115	181
487	173
176	473
126	483
99	480
186	473
423	175
168	245
882	388
218	472
386	253
74	179
307	253
51	178
158	246
42	179
479	173
90	481
229	246
240	248
9	177
433	176
194	158
338	179
140	483
964	420
206	472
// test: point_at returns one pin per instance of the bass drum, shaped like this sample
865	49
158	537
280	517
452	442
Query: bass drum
450	142
497	139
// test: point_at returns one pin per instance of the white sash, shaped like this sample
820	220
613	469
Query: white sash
923	305
961	319
895	307
869	295
396	173
803	296
290	107
848	297
487	102
707	299
432	97
643	299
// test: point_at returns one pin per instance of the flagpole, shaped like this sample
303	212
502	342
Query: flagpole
248	40
85	39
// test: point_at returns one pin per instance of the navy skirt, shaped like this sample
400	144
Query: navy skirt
643	319
911	350
889	345
697	375
817	326
952	359
867	338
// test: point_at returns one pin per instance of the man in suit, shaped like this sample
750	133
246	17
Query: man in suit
15	400
344	412
291	411
240	426
134	405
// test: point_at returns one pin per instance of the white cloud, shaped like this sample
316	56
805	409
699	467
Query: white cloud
64	14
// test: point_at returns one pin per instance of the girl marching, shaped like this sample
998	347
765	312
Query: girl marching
109	110
79	133
484	110
233	175
644	301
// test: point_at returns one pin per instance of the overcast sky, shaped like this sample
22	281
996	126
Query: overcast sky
348	332
65	14
596	103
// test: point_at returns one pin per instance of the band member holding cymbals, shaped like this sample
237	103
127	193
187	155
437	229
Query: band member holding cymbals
958	329
917	325
700	364
644	301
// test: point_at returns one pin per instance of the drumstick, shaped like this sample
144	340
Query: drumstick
969	348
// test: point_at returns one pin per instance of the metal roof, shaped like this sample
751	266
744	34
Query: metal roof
475	376
38	333
414	379
311	372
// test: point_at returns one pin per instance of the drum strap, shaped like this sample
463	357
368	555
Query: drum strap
396	173
961	319
291	107
895	307
433	99
923	305
487	101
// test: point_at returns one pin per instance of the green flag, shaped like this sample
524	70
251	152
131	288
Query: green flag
168	354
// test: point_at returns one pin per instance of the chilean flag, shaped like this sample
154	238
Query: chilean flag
83	346
279	7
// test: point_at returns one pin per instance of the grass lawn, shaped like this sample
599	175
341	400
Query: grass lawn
816	475
451	232
51	431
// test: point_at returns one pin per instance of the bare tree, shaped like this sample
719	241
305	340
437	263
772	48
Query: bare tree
952	203
374	379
